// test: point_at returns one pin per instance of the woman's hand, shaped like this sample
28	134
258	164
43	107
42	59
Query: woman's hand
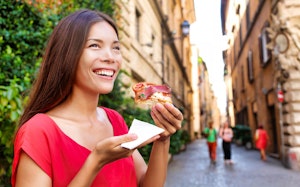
168	117
107	151
110	149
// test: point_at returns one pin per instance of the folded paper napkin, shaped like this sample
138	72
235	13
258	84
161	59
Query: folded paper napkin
144	132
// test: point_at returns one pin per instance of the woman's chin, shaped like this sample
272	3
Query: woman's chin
105	90
104	93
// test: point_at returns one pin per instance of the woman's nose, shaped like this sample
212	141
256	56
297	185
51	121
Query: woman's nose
108	56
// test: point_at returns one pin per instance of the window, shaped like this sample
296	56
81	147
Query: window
265	53
248	19
173	74
233	29
137	24
236	51
241	35
250	67
225	70
168	68
242	79
238	9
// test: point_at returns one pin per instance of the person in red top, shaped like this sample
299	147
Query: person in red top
65	138
261	138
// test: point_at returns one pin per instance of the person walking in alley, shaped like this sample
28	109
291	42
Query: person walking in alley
261	141
211	136
226	134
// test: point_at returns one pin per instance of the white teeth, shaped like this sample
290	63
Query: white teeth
105	73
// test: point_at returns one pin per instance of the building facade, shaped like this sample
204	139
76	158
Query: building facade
209	110
156	48
262	71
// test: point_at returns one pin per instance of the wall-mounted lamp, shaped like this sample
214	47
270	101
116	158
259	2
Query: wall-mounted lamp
185	30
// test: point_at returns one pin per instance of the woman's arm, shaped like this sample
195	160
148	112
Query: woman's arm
158	164
35	178
169	118
221	132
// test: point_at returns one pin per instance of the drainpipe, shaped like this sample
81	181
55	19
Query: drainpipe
280	100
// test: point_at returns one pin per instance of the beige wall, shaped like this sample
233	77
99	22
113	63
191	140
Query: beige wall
166	60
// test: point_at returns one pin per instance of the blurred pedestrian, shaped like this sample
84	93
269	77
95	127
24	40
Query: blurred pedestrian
211	137
226	134
261	141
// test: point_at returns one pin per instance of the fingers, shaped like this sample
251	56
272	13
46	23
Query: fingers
160	121
173	110
127	137
168	117
168	111
116	141
112	146
149	141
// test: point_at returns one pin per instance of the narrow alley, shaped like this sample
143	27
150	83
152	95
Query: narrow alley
192	168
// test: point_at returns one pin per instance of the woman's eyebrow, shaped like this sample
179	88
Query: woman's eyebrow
95	39
101	41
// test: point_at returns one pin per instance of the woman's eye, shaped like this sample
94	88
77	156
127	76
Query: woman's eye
94	46
117	48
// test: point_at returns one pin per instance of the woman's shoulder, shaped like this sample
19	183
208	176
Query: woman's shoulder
117	121
112	113
38	123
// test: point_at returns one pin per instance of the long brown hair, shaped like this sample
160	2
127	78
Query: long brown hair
57	72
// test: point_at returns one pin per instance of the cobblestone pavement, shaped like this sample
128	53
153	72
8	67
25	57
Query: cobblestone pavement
192	168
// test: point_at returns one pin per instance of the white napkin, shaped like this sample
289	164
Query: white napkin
144	132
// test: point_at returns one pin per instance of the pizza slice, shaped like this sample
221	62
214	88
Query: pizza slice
149	93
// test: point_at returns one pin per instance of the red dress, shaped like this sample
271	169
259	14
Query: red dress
61	157
261	142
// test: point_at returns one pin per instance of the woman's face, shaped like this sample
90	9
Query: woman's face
226	125
100	61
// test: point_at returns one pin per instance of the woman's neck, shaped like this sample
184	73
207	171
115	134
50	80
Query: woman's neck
78	106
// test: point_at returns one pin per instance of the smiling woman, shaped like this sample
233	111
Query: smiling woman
65	138
100	60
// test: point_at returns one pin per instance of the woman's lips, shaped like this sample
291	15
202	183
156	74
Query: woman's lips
105	72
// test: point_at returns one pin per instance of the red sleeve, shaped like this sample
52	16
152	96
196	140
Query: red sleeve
33	139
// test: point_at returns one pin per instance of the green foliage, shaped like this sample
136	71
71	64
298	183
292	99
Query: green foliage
180	138
21	28
105	6
10	110
24	32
